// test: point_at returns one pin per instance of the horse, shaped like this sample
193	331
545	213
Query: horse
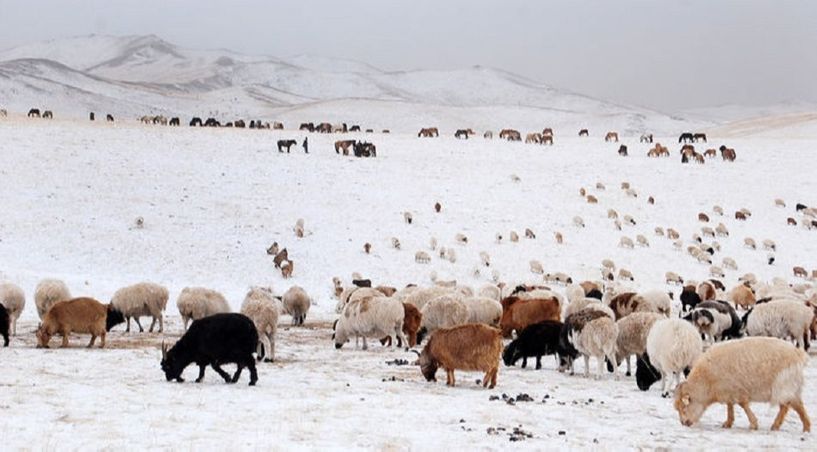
109	117
285	144
324	127
277	125
611	136
34	113
48	115
196	121
3	113
488	135
547	131
646	138
686	137
241	124
308	126
365	149
622	150
461	134
343	145
174	121
510	135
91	116
728	154
534	137
584	133
710	153
699	137
547	139
211	122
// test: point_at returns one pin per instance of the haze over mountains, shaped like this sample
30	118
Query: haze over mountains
135	75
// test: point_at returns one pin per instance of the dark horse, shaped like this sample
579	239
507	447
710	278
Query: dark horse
195	122
699	137
365	149
622	150
286	144
461	134
686	137
34	113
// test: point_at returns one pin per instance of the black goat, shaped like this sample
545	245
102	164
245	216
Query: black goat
534	341
214	340
4	325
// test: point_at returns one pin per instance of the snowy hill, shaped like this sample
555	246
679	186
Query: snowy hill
135	75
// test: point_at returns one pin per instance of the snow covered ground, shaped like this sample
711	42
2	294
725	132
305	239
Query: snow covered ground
213	200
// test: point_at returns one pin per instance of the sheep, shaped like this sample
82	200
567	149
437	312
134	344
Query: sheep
536	340
386	290
708	232
485	258
196	303
587	303
706	291
632	336
370	317
629	220
623	273
592	199
769	245
642	241
421	257
791	221
273	249
261	307
651	200
729	263
498	238
659	231
689	297
673	345
421	296
48	292
626	242
779	203
741	296
337	285
578	222
672	234
600	186
617	225
412	318
517	313
673	278
784	319
716	320
296	303
597	339
438	207
465	347
702	217
442	312
721	230
489	291
451	255
287	267
612	214
800	272
408	217
607	275
432	244
582	192
280	258
536	267
748	278
562	278
631	193
625	185
653	301
395	243
529	234
745	212
718	210
461	239
739	372
79	315
609	264
483	310
559	238
141	299
514	236
13	299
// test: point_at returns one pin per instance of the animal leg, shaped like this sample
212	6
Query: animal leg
493	378
14	327
781	415
93	339
136	319
161	324
152	324
102	339
253	371
750	415
185	322
238	372
538	362
628	366
798	407
524	361
586	366
127	328
64	339
730	415
451	372
365	346
612	357
220	371
201	373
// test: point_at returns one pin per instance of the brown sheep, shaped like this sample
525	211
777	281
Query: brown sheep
742	296
702	217
623	304
800	272
517	314
791	221
592	199
465	347
80	315
287	267
740	216
367	247
280	257
438	207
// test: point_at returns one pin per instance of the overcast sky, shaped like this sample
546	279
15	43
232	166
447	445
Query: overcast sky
668	55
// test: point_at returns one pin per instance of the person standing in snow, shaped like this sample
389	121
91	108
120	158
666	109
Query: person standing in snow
306	146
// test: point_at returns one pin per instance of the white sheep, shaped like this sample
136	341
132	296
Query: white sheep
783	319
408	217
708	232
574	292
514	236
642	241
142	299
461	239
623	273
716	272
718	210
451	255
48	292
583	303
659	231
673	345
769	245
421	257
263	309
536	267
432	243
626	242
395	243
296	303
597	339
578	222
483	310
489	291
13	299
750	243
721	230
629	220
654	301
196	303
729	263
632	335
420	297
609	264
485	258
612	214
443	312
372	317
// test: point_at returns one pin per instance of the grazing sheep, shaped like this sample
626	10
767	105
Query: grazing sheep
642	241
608	264
537	340
651	200
395	243
740	216
461	239
800	272
631	193
706	291
716	272
485	258
741	296
721	230
716	320
408	217
708	232
729	263
514	236
421	257
280	258
287	267
273	249
659	231
626	242
419	297
592	199
48	292
749	243
518	312
79	315
296	303
582	192
744	371
632	336
623	273
432	243
578	222
483	310
13	299
673	345
672	234
490	291
370	317
367	248
196	303
142	299
628	220
779	203
791	221
718	210
612	214
465	347
769	245
529	234
783	319
600	186
261	307
596	339
653	301
702	217
587	303
559	238
536	267
442	312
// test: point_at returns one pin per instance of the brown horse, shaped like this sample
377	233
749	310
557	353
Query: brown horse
547	131
34	113
429	132
343	145
611	136
728	154
285	144
510	135
461	134
699	137
710	153
277	125
547	139
323	127
534	137
307	126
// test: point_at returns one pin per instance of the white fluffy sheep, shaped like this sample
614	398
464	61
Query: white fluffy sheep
578	222
485	258
196	303
783	319
420	297
632	335
642	241
444	312
14	300
626	242
483	310
597	339
296	303
536	267
371	317
654	301
489	291
673	345
583	303
142	299
263	309
48	292
421	257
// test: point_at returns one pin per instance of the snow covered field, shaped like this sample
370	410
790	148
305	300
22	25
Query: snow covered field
213	200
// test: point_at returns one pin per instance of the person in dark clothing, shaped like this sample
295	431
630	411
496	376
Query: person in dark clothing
306	146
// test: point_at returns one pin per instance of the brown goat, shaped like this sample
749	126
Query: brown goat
740	216
801	272
702	217
520	313
287	268
465	347
280	258
412	318
80	315
611	136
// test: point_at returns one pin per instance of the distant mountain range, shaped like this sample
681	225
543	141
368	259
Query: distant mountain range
135	75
